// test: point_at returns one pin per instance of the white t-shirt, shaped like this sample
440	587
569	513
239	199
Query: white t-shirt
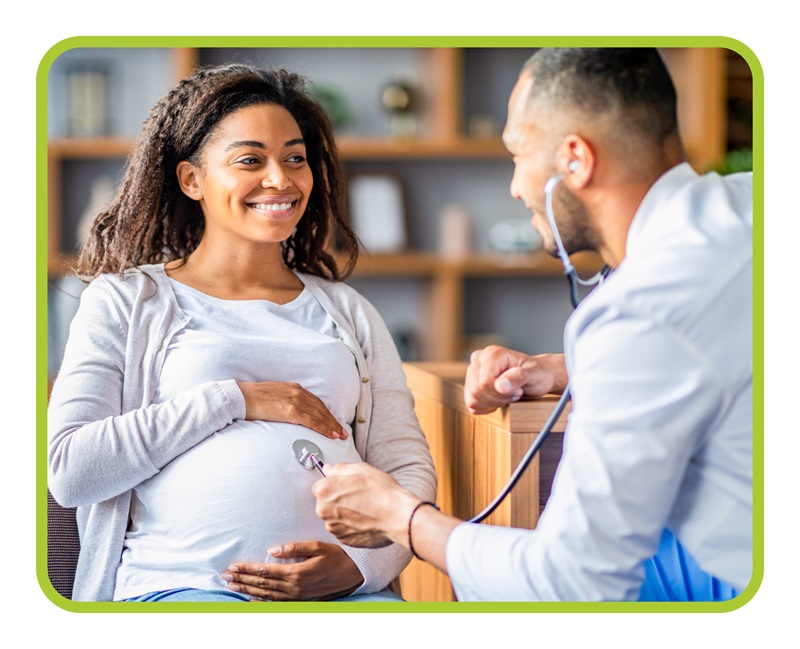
241	491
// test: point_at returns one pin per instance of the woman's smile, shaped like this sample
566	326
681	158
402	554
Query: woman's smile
274	207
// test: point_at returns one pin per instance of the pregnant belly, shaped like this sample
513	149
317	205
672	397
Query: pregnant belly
233	496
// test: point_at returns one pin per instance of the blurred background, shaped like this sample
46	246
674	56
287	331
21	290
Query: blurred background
450	261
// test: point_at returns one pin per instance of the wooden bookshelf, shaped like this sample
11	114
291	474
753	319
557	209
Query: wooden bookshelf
699	74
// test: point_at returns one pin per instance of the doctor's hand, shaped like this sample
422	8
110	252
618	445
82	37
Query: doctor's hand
290	403
363	506
497	376
325	572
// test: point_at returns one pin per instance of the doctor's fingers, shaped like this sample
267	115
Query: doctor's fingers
489	363
363	506
358	538
483	403
357	480
483	399
290	403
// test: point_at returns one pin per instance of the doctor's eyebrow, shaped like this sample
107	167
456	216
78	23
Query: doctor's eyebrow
260	145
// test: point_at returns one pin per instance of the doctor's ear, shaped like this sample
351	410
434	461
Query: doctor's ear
576	157
188	179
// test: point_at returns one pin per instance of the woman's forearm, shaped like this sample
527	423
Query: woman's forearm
91	462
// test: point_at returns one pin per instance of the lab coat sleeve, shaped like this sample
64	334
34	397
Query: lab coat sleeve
96	451
643	397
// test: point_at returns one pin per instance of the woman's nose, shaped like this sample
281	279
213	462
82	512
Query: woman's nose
275	176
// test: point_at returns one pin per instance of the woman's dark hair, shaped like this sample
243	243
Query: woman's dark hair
150	220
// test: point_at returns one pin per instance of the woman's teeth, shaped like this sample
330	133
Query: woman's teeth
273	207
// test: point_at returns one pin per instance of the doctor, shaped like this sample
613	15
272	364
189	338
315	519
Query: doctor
653	496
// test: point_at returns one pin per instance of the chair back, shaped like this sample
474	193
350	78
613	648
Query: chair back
63	546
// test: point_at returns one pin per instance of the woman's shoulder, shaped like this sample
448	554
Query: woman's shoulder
133	284
133	277
336	290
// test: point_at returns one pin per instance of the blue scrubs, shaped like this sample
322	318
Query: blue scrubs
672	575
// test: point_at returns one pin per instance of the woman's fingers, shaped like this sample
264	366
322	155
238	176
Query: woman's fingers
321	571
308	410
256	580
290	403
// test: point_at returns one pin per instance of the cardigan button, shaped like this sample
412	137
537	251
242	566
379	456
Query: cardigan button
365	380
361	420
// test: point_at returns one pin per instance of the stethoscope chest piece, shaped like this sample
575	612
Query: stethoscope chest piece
303	450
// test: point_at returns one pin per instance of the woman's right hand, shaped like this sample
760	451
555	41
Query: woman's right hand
290	403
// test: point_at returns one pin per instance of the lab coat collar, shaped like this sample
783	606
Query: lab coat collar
662	190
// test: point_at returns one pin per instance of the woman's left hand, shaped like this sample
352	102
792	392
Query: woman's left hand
326	572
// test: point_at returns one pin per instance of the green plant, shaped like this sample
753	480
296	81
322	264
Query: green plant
735	161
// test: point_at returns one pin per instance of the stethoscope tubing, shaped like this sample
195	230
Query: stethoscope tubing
574	280
526	460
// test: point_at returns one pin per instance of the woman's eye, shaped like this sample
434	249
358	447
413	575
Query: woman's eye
297	158
249	160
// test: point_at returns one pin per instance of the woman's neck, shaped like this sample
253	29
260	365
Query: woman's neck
257	274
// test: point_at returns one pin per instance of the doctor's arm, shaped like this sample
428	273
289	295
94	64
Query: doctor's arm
645	400
365	507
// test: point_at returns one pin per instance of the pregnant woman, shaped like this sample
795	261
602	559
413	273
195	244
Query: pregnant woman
215	331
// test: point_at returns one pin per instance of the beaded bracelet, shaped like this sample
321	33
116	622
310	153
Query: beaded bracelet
411	518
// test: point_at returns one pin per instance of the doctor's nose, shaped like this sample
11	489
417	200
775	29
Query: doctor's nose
514	188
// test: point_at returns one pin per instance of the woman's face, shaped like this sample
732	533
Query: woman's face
253	181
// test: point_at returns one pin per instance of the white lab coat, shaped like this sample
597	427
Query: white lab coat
660	435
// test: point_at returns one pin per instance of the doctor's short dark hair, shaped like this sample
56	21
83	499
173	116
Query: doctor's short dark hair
150	220
632	84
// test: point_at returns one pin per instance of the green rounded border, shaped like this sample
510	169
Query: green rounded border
404	42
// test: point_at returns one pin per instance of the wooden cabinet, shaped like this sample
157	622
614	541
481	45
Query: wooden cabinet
453	81
474	456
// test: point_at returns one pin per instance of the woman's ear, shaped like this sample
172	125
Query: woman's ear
189	179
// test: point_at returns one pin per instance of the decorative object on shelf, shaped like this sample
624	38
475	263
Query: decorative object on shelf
514	235
88	86
407	342
335	103
378	212
401	98
455	231
483	126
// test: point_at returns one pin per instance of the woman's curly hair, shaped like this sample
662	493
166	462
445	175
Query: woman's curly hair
150	220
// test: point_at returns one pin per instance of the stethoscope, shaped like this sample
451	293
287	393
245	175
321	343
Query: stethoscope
310	456
574	281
